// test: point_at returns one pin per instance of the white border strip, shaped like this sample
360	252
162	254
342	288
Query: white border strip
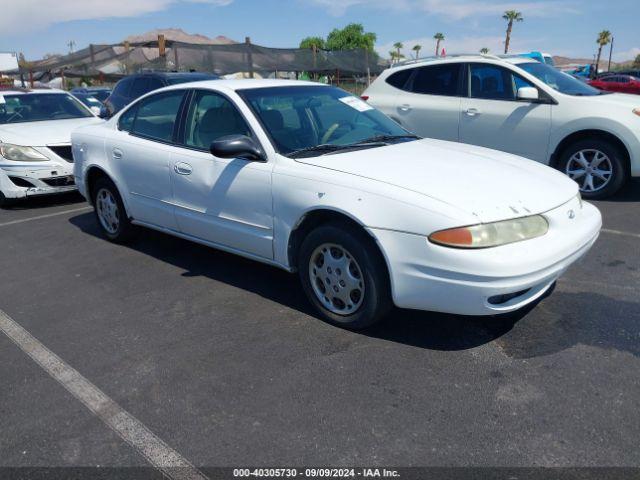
40	217
130	429
618	232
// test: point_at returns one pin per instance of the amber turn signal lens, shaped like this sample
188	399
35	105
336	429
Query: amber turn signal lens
455	236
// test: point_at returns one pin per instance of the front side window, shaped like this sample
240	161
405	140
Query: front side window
560	81
40	107
308	117
125	122
156	116
491	82
210	117
437	80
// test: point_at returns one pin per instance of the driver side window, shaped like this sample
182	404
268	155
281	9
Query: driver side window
210	117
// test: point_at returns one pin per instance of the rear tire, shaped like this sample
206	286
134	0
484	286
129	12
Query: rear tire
344	276
4	201
110	212
598	166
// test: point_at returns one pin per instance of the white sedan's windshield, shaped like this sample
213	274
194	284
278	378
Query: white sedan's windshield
40	107
558	80
307	117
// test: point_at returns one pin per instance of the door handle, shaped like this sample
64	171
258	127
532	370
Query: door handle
405	107
472	112
117	153
182	168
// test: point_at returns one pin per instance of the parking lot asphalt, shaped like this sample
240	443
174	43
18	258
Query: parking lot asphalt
221	358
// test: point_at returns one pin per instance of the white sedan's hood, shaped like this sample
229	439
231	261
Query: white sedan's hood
40	134
486	183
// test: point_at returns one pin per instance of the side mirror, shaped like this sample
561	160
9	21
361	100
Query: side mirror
104	112
237	146
529	94
96	111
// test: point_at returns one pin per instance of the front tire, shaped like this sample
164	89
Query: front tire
596	165
110	212
344	276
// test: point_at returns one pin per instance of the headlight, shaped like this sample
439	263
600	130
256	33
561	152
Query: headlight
492	234
21	154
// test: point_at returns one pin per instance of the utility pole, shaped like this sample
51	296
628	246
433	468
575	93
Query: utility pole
610	54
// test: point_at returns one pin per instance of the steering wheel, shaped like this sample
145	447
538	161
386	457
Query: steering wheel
330	131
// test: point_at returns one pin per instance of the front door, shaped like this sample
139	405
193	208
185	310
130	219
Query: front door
491	115
224	201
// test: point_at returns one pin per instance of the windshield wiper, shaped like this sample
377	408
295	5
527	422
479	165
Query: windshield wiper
322	148
386	138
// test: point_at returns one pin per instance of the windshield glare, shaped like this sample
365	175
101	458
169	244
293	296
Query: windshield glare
560	81
40	107
304	117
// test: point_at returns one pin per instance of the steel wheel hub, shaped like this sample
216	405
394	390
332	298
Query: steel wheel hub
336	279
108	212
591	169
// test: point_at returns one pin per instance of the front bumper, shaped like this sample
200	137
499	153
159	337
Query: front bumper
21	182
488	281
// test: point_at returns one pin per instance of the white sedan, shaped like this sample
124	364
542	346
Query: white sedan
35	142
308	178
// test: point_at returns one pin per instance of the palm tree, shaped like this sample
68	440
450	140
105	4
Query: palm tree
484	50
417	48
439	37
604	38
511	16
398	46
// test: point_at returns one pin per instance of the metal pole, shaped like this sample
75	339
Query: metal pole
610	54
247	42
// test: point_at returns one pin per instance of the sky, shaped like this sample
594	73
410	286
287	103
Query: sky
560	27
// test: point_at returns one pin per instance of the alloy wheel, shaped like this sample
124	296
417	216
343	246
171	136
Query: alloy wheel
591	169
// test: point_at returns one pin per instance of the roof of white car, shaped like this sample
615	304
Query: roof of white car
463	57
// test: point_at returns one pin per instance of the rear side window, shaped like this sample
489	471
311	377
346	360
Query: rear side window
399	79
140	87
154	84
122	88
437	80
156	116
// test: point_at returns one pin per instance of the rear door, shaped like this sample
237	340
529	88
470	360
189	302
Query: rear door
492	116
140	152
430	106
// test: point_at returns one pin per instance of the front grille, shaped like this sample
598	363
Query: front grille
21	182
63	151
66	181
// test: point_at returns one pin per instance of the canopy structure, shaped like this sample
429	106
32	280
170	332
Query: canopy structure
111	62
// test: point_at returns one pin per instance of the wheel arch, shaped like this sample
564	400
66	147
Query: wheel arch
590	134
320	216
93	174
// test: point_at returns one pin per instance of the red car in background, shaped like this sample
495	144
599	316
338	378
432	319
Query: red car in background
617	83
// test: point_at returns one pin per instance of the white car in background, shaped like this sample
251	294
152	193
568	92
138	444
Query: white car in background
308	178
521	106
35	142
